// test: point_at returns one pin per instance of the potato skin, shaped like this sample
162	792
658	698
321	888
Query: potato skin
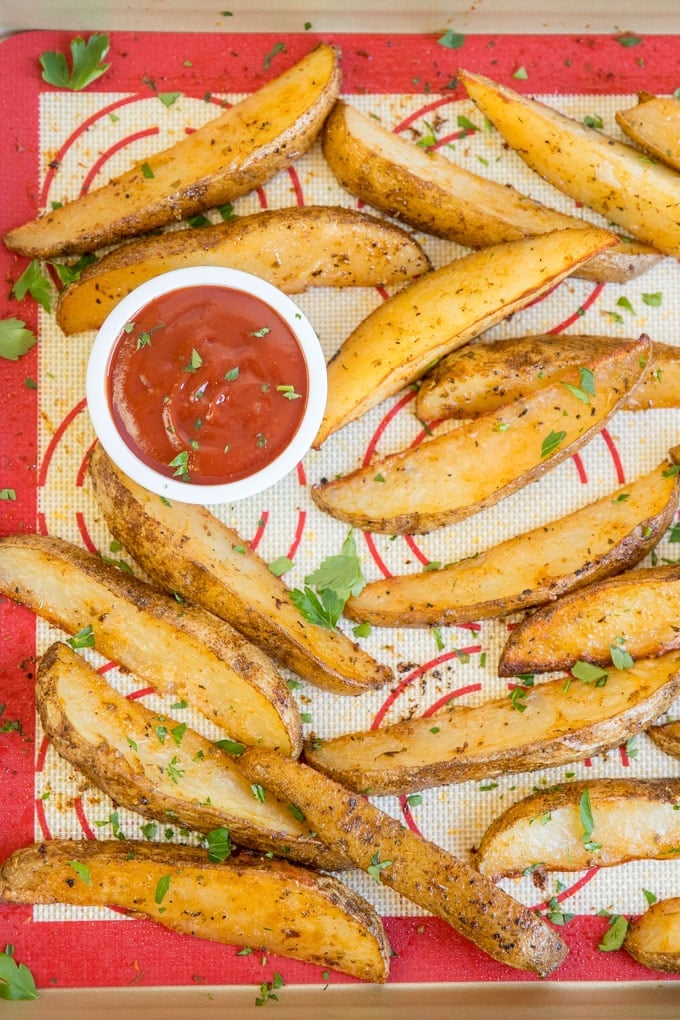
594	542
462	742
188	550
485	375
126	750
244	900
433	194
636	612
293	248
423	872
227	157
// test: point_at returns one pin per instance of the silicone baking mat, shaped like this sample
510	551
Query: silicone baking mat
56	143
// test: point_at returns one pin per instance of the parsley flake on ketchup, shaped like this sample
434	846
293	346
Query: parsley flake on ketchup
212	355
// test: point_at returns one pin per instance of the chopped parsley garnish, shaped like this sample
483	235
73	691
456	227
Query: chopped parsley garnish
278	47
288	392
230	746
262	332
231	375
258	792
181	464
162	887
451	40
82	871
83	639
194	362
588	673
551	442
147	171
587	821
86	63
219	844
168	98
615	934
174	772
376	867
280	565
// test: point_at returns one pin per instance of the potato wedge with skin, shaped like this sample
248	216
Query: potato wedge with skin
424	873
459	473
188	550
632	819
653	939
654	125
243	901
485	375
394	345
598	540
611	177
157	766
636	612
432	193
556	723
295	248
229	156
666	736
178	650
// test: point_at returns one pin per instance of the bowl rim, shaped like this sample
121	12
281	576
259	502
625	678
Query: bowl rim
97	373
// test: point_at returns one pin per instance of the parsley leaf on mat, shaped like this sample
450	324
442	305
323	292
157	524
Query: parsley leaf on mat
15	339
16	980
335	579
86	63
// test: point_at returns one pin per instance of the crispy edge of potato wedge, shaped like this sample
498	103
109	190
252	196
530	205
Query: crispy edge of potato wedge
228	156
524	571
556	723
433	194
630	820
441	310
244	900
225	677
640	196
653	938
418	869
457	474
188	550
654	125
158	767
634	614
666	736
484	375
293	248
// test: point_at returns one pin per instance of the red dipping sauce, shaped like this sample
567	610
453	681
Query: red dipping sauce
208	384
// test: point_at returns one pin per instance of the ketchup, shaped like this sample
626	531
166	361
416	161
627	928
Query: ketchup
208	384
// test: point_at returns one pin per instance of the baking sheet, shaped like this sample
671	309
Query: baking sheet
55	144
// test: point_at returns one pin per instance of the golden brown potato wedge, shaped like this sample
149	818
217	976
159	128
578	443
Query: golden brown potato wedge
424	873
433	194
188	550
666	736
593	823
653	939
654	124
155	765
394	345
229	156
472	467
553	723
600	539
179	650
243	901
613	178
484	375
634	615
295	248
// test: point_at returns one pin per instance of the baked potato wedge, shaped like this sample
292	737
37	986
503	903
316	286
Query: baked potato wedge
553	723
666	736
396	343
484	375
188	550
243	901
600	539
423	872
433	194
579	825
294	248
179	650
159	767
611	177
653	939
654	125
229	156
464	470
632	616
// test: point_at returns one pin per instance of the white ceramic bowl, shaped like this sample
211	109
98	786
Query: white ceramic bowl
98	400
